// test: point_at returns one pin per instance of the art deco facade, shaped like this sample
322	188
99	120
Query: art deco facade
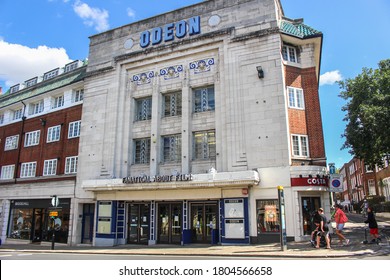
190	121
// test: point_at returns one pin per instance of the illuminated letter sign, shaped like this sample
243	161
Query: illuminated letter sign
168	33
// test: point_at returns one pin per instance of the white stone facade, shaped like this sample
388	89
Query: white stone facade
250	119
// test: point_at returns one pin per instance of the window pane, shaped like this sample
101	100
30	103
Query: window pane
172	148
204	100
267	216
144	109
204	145
142	151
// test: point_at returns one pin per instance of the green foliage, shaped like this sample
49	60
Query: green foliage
368	114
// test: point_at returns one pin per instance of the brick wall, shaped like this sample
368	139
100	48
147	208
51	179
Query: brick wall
307	121
56	150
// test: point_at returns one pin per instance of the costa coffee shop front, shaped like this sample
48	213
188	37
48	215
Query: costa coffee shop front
207	208
311	193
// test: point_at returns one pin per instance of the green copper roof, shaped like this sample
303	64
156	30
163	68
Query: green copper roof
298	29
57	82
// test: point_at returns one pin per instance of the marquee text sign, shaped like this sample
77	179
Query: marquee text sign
169	31
157	179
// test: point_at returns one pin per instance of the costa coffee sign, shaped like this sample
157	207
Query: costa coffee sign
307	181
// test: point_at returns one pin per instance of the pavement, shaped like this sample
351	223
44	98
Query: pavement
302	249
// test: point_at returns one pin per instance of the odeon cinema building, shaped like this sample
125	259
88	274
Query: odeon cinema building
190	121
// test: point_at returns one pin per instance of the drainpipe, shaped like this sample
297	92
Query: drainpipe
20	142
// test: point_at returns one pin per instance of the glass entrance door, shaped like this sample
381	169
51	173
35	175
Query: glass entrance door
87	223
204	218
138	229
309	206
169	223
40	225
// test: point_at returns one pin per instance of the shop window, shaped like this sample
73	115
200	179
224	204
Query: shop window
267	216
21	222
104	219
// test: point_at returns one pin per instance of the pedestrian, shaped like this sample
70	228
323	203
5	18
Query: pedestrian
340	219
323	230
373	225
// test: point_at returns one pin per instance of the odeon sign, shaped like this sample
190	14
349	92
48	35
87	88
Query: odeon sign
170	31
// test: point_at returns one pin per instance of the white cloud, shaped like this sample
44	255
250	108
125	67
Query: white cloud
94	17
130	12
19	63
330	78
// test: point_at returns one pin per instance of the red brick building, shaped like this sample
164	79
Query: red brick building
40	124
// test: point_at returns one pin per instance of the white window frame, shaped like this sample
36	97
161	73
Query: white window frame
14	88
50	74
58	101
296	98
7	172
74	129
71	66
31	82
299	148
53	134
28	169
50	167
1	118
37	107
78	95
289	53
17	114
71	165
11	142
32	138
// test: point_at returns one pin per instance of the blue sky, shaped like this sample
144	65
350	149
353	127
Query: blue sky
40	35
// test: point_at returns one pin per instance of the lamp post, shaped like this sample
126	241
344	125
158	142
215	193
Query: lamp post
54	202
283	234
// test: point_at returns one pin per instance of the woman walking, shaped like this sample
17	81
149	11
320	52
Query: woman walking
340	219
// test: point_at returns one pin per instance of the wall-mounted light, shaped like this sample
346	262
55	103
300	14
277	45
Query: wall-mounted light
43	122
260	72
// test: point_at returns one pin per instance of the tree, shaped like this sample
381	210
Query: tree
367	110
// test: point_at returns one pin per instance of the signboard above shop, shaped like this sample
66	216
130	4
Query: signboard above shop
309	181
